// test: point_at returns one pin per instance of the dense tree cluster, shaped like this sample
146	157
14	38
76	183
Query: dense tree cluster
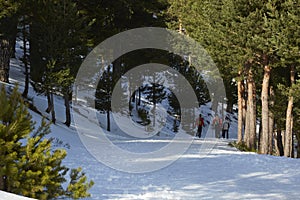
254	43
256	47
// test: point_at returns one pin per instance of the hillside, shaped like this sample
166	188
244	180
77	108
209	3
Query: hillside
209	169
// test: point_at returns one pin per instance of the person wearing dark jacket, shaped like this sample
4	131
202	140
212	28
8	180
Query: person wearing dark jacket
225	128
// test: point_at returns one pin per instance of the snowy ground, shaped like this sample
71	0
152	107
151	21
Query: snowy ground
224	173
10	196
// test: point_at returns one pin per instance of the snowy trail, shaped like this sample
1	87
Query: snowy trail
225	173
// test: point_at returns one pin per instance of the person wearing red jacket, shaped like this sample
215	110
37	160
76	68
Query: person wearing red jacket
200	124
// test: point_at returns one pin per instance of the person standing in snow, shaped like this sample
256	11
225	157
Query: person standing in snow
217	123
225	128
200	124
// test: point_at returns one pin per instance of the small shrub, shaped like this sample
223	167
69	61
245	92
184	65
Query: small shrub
30	166
241	146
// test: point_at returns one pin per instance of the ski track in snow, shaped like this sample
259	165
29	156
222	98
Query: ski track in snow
225	173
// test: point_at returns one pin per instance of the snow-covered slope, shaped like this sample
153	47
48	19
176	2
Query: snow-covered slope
224	173
10	196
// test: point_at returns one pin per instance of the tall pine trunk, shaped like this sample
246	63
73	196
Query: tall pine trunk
116	73
247	127
13	32
5	54
244	104
271	121
68	110
298	144
49	107
7	41
253	138
240	108
250	130
108	119
229	105
271	130
288	140
1	183
293	149
264	139
278	142
25	61
52	108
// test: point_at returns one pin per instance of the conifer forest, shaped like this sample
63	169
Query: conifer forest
255	45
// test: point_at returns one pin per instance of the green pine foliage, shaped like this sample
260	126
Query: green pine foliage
104	91
8	7
58	36
241	146
29	164
154	93
78	186
245	34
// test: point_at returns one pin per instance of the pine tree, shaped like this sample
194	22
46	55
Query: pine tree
154	93
8	30
287	43
29	164
58	42
103	94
